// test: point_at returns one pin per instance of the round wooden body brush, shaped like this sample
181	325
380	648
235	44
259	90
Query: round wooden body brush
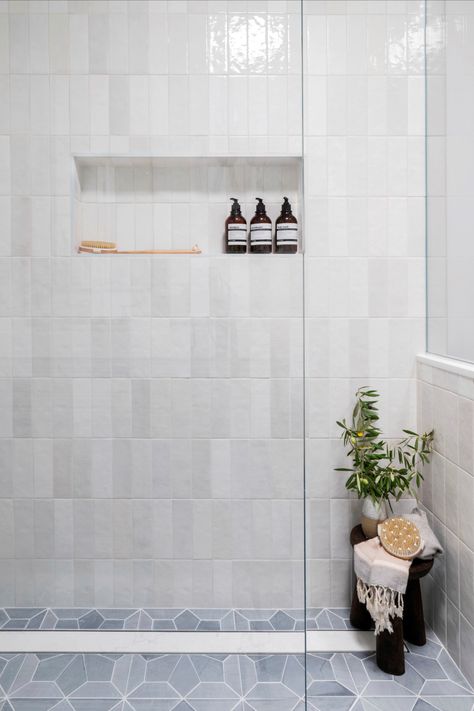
97	247
400	537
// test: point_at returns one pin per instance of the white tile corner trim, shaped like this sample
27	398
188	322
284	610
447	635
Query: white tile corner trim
450	365
132	642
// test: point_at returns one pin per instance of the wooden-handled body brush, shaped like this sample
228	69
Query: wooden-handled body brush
93	247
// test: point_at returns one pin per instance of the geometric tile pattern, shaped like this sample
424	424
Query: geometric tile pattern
169	619
323	618
166	619
353	682
154	682
231	682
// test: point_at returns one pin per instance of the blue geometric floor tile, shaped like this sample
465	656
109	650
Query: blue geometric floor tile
230	671
451	670
154	705
212	690
430	649
388	703
224	682
422	705
160	669
427	667
32	704
411	679
442	688
214	704
184	677
96	690
332	703
451	703
50	669
92	704
73	676
328	688
154	690
318	668
98	667
37	690
386	688
270	668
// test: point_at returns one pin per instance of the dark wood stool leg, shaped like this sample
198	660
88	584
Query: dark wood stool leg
359	617
389	649
413	619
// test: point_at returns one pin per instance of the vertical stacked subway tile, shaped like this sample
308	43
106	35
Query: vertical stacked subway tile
364	244
446	402
140	395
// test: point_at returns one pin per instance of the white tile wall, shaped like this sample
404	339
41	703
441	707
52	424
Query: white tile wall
151	419
450	111
364	264
84	338
446	403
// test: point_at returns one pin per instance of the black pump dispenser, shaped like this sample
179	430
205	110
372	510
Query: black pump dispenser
260	230
235	209
286	207
261	209
286	230
235	230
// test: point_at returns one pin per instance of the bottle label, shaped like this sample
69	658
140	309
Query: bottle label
261	233
287	233
237	234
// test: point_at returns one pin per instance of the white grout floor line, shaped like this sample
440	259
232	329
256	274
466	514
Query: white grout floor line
135	642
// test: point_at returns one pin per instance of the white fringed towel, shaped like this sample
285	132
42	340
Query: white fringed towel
381	582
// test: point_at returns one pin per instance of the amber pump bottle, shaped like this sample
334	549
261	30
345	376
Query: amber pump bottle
286	230
260	230
236	230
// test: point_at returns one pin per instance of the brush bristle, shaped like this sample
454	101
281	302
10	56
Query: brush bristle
98	245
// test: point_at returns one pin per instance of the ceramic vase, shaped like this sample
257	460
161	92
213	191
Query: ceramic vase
372	515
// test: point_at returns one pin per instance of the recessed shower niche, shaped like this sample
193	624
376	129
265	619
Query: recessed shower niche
145	202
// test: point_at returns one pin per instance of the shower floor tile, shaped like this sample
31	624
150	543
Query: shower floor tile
226	682
169	619
160	619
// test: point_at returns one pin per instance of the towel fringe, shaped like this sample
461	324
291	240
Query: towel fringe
381	603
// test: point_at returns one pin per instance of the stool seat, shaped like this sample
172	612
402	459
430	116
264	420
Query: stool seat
389	646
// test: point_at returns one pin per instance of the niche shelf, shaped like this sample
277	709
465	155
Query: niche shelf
174	202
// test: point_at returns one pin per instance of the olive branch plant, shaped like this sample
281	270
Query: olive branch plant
379	469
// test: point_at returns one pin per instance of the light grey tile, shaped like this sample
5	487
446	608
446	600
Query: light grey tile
466	578
465	503
6	467
43	467
44	533
7	544
22	425
62	470
23	517
452	567
83	517
319	528
452	499
453	631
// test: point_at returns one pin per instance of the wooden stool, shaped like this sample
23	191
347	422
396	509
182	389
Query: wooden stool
389	646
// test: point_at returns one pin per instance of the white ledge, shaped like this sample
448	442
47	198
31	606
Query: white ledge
450	365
